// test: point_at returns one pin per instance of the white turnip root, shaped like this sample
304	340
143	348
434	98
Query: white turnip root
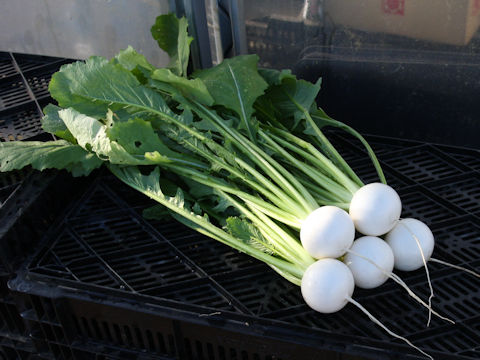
365	273
375	209
327	232
406	239
326	285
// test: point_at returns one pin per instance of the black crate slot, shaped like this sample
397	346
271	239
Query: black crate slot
463	192
12	178
421	164
467	157
210	255
133	198
93	271
159	265
450	341
458	240
9	183
39	79
96	202
6	65
20	123
199	292
457	294
419	205
31	62
456	297
13	92
107	235
16	350
173	231
21	94
262	291
128	254
66	250
10	320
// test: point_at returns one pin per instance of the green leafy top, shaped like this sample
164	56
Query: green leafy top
236	84
287	97
172	37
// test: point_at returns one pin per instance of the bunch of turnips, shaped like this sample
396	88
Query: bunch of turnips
386	242
238	154
368	261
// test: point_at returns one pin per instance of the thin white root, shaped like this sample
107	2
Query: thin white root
376	321
426	272
400	282
471	272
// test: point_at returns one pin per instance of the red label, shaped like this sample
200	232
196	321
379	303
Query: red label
476	7
394	7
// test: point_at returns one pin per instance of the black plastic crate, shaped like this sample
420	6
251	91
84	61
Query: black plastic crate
23	93
29	203
17	349
29	200
106	280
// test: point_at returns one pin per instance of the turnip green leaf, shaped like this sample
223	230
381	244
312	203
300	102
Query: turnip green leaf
58	154
52	123
235	84
194	88
172	37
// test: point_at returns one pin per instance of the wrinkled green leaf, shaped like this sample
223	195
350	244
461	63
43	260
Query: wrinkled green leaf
248	233
235	84
288	99
92	135
52	123
172	37
194	89
136	63
58	154
275	77
137	137
130	59
97	85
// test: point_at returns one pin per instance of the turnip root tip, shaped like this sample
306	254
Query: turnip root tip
468	271
376	321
